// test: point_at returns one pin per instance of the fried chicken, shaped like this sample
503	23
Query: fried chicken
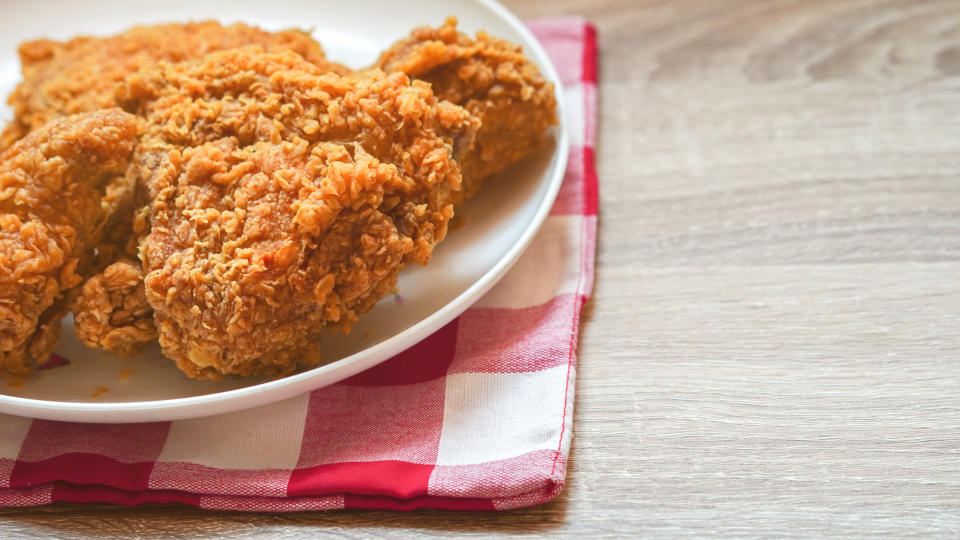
81	75
51	185
111	311
282	199
231	288
489	77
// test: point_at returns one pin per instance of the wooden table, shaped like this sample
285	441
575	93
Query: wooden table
773	347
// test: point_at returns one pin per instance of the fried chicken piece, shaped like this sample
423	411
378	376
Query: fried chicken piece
82	74
489	77
51	185
111	312
283	199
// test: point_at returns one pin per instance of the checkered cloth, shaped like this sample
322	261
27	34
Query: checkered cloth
477	416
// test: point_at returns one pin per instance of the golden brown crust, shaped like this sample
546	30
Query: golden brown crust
80	75
11	133
489	77
282	200
83	74
111	310
246	294
51	185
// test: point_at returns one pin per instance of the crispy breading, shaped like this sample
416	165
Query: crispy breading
111	311
51	185
489	77
82	74
282	199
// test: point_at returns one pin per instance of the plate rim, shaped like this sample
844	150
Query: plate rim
293	385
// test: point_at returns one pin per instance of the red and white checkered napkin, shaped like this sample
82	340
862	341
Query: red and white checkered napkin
477	416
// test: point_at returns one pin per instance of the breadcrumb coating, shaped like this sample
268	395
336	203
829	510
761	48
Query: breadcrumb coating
111	312
82	74
282	199
489	77
276	199
51	185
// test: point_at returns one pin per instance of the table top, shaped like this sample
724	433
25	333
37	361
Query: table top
773	346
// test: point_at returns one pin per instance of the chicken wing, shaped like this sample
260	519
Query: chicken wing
51	185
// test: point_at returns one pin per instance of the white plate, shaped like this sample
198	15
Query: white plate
500	221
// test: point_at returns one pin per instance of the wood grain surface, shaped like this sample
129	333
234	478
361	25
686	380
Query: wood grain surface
773	348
